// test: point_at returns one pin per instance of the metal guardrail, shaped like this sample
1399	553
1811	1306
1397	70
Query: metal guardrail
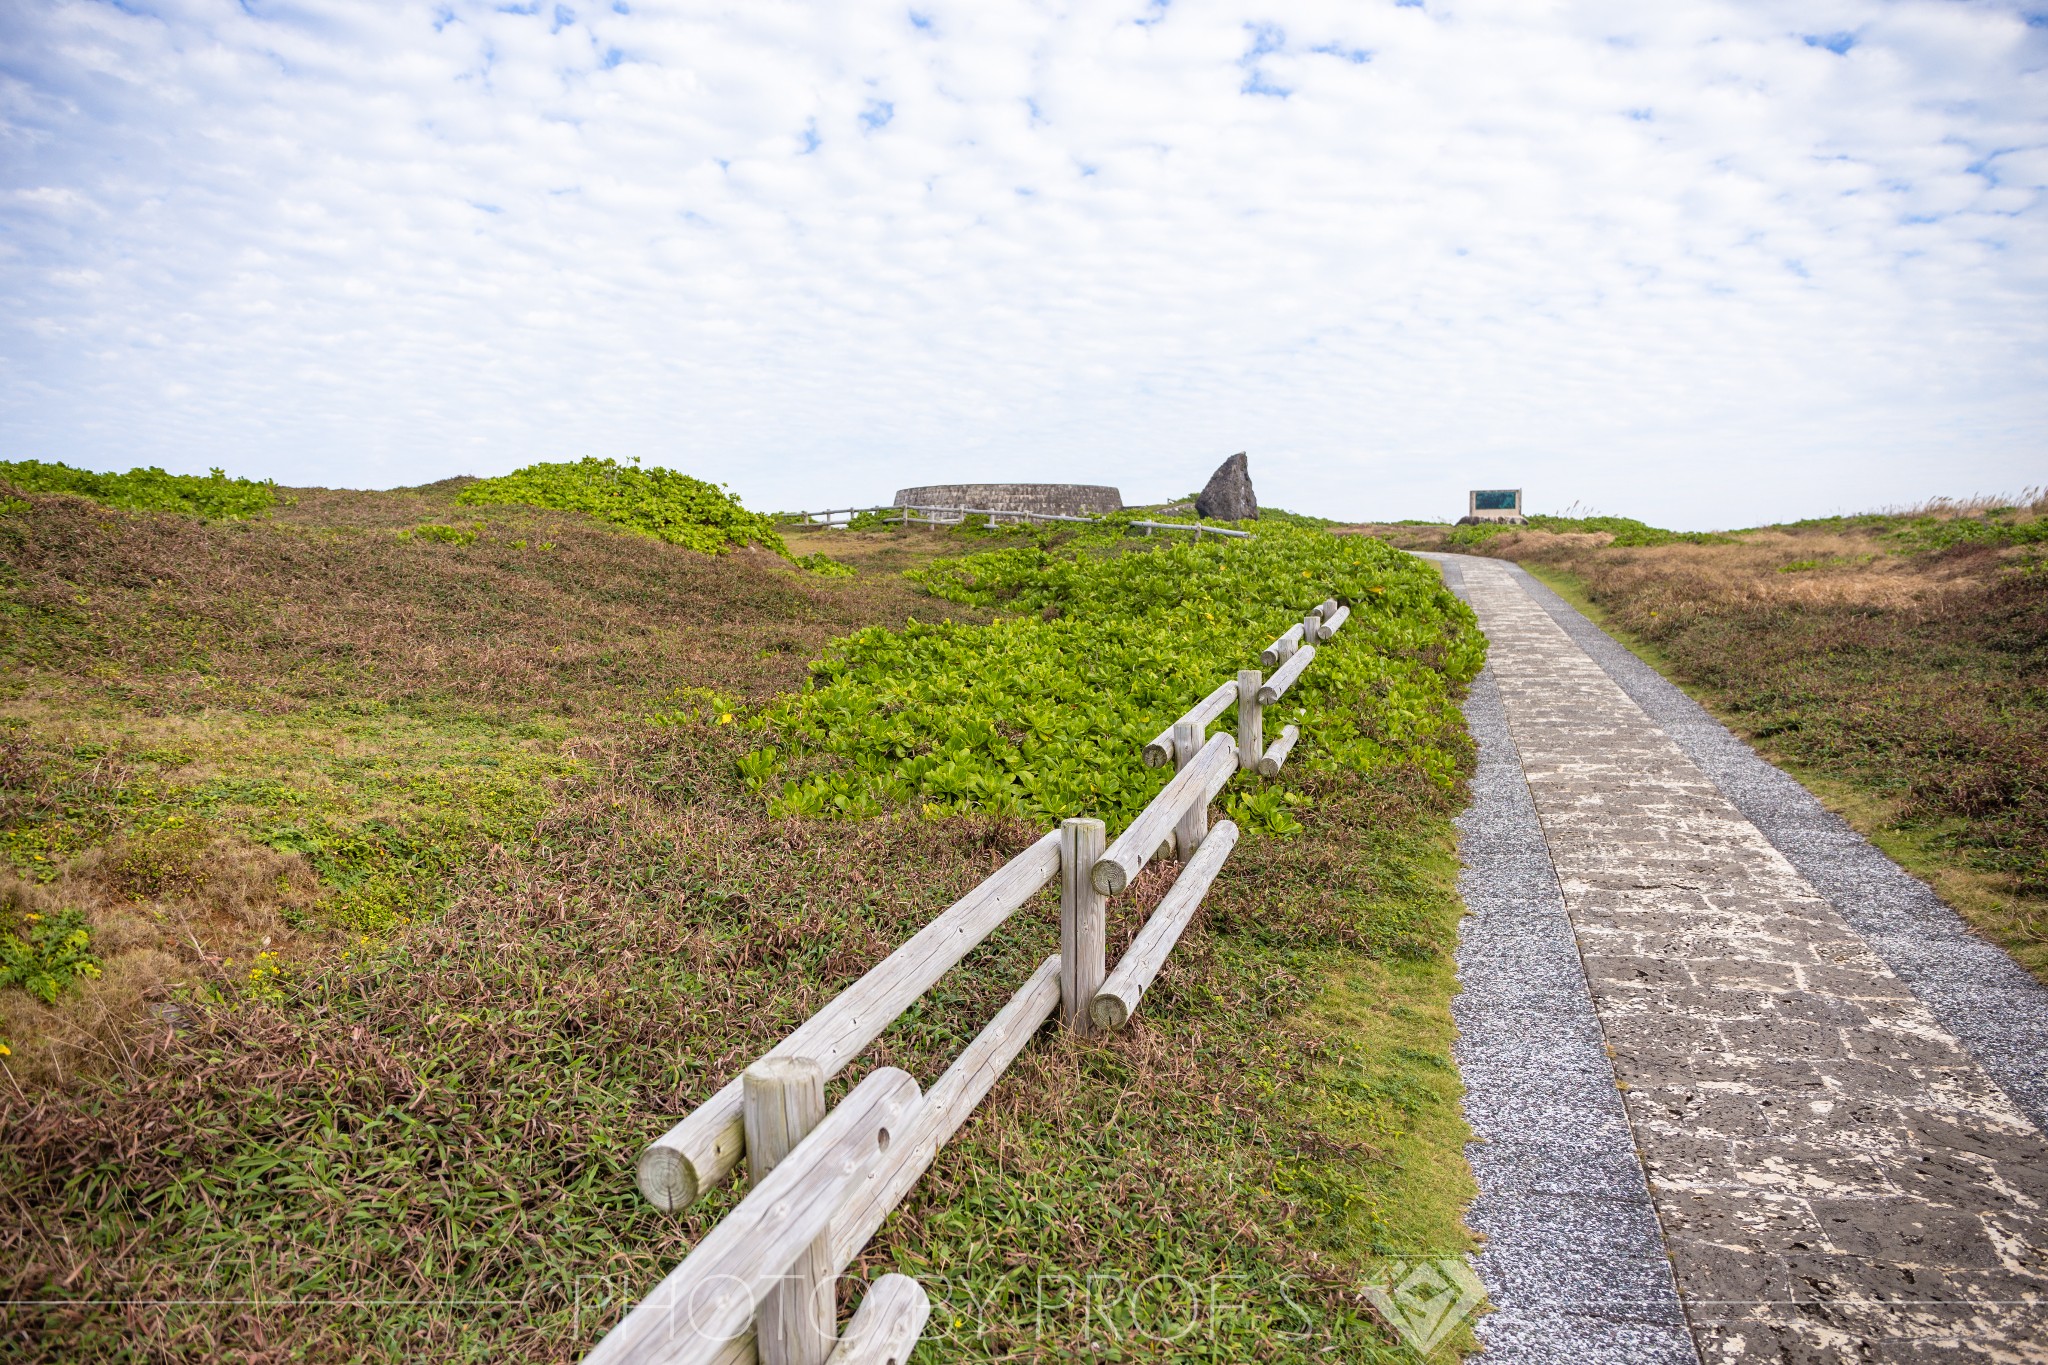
760	1285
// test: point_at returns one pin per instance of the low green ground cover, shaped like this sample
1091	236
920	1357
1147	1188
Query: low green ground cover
1627	531
1098	644
146	490
654	502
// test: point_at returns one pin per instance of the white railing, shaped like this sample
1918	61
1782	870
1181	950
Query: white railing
956	516
759	1286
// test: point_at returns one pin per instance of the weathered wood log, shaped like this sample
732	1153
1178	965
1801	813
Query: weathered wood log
1084	920
1194	821
784	1099
1251	720
1118	999
890	1319
1280	649
1328	608
695	1314
678	1167
1334	623
951	1099
1286	676
946	1106
1269	766
1140	840
1159	752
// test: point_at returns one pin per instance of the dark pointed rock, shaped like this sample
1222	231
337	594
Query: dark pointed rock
1228	495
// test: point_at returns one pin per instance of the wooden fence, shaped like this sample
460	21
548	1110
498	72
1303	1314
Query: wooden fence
956	516
760	1285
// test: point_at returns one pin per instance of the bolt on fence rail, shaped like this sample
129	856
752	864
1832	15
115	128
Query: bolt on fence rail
759	1286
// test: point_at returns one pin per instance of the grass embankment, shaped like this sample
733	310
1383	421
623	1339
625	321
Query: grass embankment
1896	663
481	799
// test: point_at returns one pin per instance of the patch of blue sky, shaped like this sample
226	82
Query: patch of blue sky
564	18
1155	13
920	21
1837	43
1357	56
811	139
877	115
1266	39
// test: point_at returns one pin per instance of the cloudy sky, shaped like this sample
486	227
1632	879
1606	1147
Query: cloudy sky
1705	263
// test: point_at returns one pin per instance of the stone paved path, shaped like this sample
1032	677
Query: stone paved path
1832	1175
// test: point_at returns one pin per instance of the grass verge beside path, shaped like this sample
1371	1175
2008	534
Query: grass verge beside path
418	1143
1935	851
1896	665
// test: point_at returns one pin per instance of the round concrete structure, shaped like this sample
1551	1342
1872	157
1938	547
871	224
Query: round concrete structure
1048	499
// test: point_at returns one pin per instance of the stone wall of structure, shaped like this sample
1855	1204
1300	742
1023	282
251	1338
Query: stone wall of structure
1055	499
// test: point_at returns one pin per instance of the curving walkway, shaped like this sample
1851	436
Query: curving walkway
1745	1091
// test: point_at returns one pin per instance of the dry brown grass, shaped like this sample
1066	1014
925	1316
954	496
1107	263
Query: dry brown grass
451	1118
318	658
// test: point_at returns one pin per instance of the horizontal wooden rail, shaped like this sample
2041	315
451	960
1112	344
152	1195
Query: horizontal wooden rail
1281	649
891	1318
951	1099
1197	527
912	1150
1159	752
1270	761
693	1315
1118	999
1334	622
1141	839
1286	676
678	1167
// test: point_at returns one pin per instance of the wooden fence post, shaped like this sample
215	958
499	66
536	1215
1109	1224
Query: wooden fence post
798	1323
1083	922
1194	824
1251	721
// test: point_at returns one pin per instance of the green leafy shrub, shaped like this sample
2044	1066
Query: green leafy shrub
1099	645
48	954
147	490
446	535
650	502
1996	528
1627	531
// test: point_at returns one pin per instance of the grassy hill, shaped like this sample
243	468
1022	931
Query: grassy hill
422	851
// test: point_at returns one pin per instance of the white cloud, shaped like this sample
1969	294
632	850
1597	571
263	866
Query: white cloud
1708	263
